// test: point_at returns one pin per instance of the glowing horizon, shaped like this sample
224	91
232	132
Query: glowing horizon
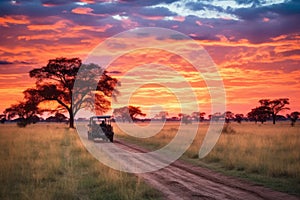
257	52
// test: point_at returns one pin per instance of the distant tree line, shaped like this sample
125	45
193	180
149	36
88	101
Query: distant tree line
58	117
268	110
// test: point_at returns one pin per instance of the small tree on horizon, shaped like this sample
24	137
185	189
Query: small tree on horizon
261	114
239	118
162	115
185	118
215	117
128	113
228	115
198	116
294	116
275	106
26	111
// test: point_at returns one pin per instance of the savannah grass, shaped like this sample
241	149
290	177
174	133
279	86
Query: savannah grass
267	154
48	161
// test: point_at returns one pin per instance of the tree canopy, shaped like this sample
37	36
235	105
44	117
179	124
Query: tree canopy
293	117
239	117
261	114
275	106
25	110
128	113
198	116
55	82
162	115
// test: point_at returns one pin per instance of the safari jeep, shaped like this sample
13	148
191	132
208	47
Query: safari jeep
100	127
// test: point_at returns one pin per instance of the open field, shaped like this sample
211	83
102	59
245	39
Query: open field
267	154
48	161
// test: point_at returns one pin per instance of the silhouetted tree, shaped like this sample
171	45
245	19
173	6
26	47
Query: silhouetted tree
180	115
128	113
122	113
56	80
61	117
210	117
162	115
275	106
228	115
34	119
135	111
293	117
198	116
186	119
239	118
2	118
260	114
26	111
58	117
202	114
216	116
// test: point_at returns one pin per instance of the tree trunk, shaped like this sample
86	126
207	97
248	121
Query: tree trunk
71	122
274	118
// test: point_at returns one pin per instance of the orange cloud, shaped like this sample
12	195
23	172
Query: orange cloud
93	28
179	18
149	17
86	11
53	27
88	1
13	19
82	10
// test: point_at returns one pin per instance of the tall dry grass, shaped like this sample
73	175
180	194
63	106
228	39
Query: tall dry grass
273	150
48	161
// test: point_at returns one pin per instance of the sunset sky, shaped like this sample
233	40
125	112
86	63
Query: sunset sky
254	43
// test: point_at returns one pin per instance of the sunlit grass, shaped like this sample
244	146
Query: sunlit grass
48	161
268	154
268	149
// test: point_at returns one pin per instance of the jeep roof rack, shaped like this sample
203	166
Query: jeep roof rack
102	116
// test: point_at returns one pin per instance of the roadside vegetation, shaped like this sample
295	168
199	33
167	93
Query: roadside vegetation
48	161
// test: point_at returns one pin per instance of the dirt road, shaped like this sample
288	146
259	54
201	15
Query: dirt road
185	181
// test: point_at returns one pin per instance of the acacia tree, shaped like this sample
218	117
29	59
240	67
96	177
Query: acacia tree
275	106
185	118
239	118
293	117
58	117
198	116
215	117
55	82
228	115
261	114
162	115
26	111
128	113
